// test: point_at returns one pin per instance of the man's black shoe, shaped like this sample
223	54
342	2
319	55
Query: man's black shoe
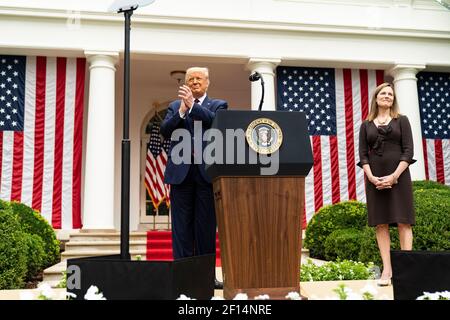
218	284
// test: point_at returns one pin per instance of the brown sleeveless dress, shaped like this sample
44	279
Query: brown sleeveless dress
383	148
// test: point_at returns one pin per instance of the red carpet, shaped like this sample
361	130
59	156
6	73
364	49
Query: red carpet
159	246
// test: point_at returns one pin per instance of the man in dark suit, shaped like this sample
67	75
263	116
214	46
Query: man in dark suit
191	193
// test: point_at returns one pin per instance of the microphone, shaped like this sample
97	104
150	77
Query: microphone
254	76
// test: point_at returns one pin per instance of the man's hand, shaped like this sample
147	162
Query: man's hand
183	108
185	94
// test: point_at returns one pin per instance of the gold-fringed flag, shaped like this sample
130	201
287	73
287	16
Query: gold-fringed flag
155	165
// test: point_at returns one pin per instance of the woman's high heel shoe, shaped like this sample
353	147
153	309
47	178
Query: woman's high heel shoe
384	282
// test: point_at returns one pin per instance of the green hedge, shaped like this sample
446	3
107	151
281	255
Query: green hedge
28	244
35	254
343	215
13	249
432	229
425	184
329	238
369	251
343	244
34	223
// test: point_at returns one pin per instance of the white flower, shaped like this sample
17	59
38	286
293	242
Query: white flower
445	295
241	296
368	288
262	297
348	290
354	296
293	296
70	295
93	294
46	292
217	298
26	295
184	297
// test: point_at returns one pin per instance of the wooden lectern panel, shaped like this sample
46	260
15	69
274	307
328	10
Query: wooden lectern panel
259	221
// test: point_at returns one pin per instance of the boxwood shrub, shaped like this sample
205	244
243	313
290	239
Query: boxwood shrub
343	215
28	244
431	231
426	184
343	244
13	249
34	223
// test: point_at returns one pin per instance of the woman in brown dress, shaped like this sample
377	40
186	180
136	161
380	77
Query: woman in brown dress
385	152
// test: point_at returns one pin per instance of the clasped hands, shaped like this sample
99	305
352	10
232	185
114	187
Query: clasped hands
385	182
187	99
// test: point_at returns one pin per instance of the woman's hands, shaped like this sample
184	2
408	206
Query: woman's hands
385	182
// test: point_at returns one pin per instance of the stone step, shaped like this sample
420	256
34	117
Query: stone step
106	236
55	272
51	283
87	245
91	253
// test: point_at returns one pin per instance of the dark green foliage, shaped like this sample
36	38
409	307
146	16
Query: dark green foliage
369	248
28	244
13	249
334	232
432	229
339	270
425	184
348	214
35	254
33	223
343	244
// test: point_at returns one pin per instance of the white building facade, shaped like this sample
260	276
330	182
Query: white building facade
233	38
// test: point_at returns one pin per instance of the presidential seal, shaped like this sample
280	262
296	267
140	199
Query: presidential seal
264	136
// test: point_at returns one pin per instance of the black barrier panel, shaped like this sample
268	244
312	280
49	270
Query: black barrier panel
143	280
415	272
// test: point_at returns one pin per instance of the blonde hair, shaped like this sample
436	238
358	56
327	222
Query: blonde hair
373	113
203	70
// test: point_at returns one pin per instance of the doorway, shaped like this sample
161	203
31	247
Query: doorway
155	195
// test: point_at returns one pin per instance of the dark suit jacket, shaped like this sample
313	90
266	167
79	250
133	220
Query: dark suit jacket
176	173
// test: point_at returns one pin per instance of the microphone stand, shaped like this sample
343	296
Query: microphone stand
125	172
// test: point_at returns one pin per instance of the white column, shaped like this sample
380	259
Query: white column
98	208
405	84
266	67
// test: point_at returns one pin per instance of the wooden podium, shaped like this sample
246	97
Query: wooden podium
260	216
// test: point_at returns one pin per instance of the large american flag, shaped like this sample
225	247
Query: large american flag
335	102
41	126
434	102
155	165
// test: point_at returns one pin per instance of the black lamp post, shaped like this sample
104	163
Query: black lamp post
127	7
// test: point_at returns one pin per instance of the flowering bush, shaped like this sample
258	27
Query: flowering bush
47	293
93	293
340	270
444	295
366	293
